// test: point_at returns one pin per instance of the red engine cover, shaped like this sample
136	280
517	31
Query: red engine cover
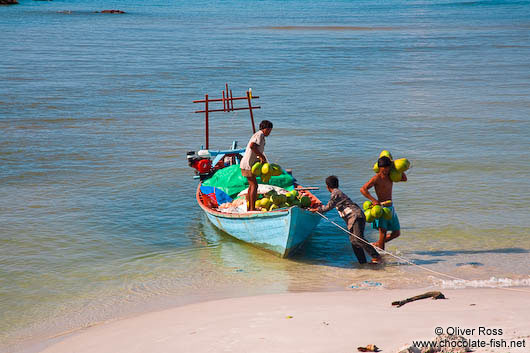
203	166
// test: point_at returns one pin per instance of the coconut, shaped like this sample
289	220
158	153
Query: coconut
256	169
271	192
395	176
377	211
265	168
385	153
402	165
278	199
305	201
265	203
387	213
276	170
367	205
369	217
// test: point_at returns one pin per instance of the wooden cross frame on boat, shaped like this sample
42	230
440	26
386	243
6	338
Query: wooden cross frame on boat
228	106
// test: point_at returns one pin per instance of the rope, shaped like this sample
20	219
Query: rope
406	260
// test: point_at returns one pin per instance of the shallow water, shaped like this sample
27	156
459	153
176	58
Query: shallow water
96	199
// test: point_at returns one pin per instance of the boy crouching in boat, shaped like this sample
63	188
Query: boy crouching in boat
383	188
253	153
354	217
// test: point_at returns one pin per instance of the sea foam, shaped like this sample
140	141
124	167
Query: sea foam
493	282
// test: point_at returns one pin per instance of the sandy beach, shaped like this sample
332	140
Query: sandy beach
316	322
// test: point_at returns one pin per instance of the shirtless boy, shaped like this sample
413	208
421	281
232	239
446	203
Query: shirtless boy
383	188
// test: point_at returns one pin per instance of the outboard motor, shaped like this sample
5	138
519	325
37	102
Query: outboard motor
201	163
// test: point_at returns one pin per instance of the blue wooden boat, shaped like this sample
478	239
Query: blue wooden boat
280	231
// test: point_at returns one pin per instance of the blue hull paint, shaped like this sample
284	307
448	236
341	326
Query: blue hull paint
281	231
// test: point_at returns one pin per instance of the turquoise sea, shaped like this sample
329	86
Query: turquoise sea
97	212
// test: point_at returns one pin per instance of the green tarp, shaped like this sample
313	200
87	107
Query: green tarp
230	180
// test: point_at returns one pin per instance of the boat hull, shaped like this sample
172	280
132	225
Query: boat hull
281	232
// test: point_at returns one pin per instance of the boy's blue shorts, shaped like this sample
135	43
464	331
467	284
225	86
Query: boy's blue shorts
391	225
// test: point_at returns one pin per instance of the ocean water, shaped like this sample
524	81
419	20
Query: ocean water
97	212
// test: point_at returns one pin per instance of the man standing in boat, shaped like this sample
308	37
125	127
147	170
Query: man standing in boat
254	153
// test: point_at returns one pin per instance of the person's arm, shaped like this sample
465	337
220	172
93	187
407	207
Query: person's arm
261	156
404	177
366	193
331	205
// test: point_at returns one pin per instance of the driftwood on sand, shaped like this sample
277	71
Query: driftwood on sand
433	295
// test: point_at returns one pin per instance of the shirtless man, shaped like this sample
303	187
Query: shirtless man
383	188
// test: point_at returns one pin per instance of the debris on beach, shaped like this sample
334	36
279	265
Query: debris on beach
368	348
453	344
366	284
433	295
110	11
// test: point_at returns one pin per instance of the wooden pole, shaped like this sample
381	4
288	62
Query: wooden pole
206	114
251	115
227	97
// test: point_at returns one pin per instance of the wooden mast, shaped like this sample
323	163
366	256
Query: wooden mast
228	106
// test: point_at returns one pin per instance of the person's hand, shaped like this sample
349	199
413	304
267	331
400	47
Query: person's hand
376	202
313	209
262	159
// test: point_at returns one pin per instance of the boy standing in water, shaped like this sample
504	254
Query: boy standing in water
354	217
383	188
253	153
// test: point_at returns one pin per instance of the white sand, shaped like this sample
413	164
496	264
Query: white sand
310	322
